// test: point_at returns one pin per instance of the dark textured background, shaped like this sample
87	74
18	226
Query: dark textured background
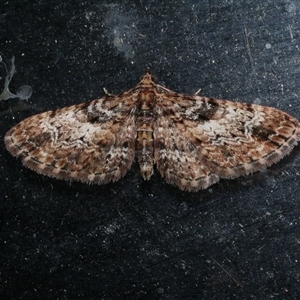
240	239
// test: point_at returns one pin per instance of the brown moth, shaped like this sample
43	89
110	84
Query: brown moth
193	141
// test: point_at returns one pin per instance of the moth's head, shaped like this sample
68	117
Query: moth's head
148	77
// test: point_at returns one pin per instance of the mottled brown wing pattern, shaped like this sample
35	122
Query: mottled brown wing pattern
194	141
178	159
93	142
200	140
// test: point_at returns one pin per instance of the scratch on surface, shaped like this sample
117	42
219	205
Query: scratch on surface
232	277
291	33
246	35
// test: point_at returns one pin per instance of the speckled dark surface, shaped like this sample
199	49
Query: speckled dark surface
148	240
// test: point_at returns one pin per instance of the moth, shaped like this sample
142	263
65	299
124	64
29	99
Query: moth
193	141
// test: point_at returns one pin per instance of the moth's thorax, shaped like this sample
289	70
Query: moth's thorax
145	118
146	99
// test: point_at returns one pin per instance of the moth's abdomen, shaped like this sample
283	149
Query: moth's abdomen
145	126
